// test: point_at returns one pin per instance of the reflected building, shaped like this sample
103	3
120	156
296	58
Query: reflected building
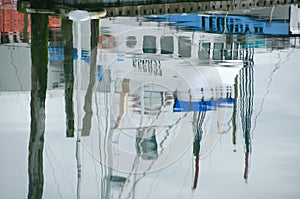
15	27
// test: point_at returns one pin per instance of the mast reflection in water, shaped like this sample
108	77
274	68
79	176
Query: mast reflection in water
246	108
198	119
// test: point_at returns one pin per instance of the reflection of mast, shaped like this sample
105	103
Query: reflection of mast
87	119
247	56
198	119
234	113
68	74
77	17
246	108
39	57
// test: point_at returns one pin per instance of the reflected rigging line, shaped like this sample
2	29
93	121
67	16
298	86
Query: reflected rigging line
99	147
50	153
101	166
161	146
185	178
271	15
153	161
162	149
53	174
15	68
150	166
277	67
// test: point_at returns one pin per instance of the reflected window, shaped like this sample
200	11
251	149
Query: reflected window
4	39
131	41
228	51
184	47
146	144
235	51
167	45
218	51
117	181
105	41
204	51
149	44
153	101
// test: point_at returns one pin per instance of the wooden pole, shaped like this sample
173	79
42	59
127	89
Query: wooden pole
39	70
67	36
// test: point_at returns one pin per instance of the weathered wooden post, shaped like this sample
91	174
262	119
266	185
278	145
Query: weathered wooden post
39	59
67	37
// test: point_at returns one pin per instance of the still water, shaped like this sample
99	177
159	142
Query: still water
167	106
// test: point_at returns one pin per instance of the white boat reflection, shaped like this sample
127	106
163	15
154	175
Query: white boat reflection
145	99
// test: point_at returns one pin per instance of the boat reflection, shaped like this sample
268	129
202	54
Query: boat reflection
140	93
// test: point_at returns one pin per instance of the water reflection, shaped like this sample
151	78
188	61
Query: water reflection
87	120
140	95
246	109
198	119
39	71
67	41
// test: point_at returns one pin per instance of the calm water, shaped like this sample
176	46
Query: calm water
168	106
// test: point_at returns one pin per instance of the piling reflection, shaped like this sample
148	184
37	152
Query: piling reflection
87	120
68	50
39	70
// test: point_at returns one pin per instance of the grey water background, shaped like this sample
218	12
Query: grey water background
273	161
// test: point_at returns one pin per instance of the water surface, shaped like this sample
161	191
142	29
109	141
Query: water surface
165	106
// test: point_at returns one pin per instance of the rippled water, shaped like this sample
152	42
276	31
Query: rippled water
165	106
